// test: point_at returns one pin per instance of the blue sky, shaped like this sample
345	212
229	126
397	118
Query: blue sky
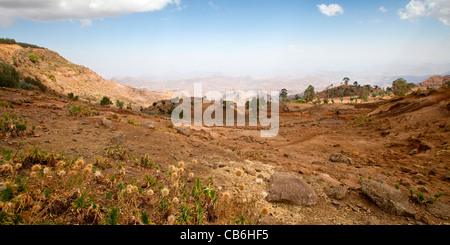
247	37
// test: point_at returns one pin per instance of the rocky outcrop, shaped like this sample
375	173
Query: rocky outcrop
387	198
290	188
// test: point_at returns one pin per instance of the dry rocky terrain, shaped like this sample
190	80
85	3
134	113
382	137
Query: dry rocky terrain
371	164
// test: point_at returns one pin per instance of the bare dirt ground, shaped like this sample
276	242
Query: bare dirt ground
401	142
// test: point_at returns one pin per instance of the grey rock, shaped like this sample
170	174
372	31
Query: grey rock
387	198
118	139
338	157
439	210
184	131
108	124
290	188
148	124
336	192
414	152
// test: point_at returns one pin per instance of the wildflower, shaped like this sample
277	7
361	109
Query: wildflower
165	192
97	174
59	164
191	175
87	170
226	195
36	168
61	173
46	170
172	168
171	220
174	175
239	172
32	174
241	187
6	167
181	164
18	166
79	162
265	211
36	208
194	161
175	200
150	192
180	170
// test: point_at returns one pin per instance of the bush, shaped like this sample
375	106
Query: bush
80	111
106	101
9	77
300	101
72	96
33	58
119	104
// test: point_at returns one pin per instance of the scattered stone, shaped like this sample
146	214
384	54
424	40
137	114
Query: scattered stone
423	189
289	188
250	172
184	131
327	178
118	139
405	169
387	198
414	152
221	165
372	220
447	176
287	155
83	122
338	157
406	182
439	210
148	124
108	124
432	171
336	192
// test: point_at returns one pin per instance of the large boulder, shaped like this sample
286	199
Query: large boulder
184	131
148	124
338	157
108	123
290	188
118	139
440	210
387	198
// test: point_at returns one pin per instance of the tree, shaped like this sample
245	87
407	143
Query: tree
355	84
365	94
309	94
297	97
284	94
341	94
346	80
401	87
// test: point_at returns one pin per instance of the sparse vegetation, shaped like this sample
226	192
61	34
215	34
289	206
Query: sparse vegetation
119	104
80	111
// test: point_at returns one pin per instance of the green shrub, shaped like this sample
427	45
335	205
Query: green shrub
33	58
9	77
80	111
119	104
105	101
72	96
300	101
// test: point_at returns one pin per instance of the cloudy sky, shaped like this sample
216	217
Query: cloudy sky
236	37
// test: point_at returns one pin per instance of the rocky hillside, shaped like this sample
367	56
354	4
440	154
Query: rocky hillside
65	77
434	81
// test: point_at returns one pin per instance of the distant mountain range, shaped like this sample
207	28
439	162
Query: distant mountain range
294	84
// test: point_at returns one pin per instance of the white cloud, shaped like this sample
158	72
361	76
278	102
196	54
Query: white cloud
383	9
82	10
214	6
330	10
437	9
